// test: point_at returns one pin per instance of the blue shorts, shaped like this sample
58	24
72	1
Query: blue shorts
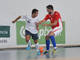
34	36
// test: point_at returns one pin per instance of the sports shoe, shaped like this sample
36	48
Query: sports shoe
46	52
28	47
38	52
54	51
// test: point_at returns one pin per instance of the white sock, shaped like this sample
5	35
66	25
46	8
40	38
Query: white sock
55	48
37	46
29	43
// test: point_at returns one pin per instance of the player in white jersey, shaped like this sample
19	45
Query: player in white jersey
31	29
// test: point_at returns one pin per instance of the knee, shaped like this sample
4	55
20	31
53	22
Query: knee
27	38
35	41
47	37
52	34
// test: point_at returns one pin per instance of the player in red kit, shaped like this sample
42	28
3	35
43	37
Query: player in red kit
55	24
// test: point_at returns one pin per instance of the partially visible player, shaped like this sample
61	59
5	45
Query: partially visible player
55	23
31	29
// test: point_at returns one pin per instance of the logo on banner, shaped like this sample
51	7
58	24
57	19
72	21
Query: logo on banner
4	31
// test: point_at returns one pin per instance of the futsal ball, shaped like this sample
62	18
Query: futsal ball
41	49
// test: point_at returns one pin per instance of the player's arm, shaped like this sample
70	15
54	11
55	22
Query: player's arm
16	19
37	26
42	21
51	24
45	19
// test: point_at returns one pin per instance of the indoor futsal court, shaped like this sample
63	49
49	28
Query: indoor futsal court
39	30
69	53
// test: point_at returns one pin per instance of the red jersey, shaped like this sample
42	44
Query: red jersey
54	17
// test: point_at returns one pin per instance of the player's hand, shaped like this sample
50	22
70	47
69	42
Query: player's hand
13	21
45	24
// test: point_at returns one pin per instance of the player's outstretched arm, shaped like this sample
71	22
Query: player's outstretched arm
42	21
51	24
16	19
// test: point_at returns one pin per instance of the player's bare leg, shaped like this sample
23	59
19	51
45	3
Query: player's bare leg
37	46
28	41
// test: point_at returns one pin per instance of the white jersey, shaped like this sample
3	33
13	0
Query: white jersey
31	24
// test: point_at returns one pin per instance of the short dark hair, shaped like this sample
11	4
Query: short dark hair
34	11
50	7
